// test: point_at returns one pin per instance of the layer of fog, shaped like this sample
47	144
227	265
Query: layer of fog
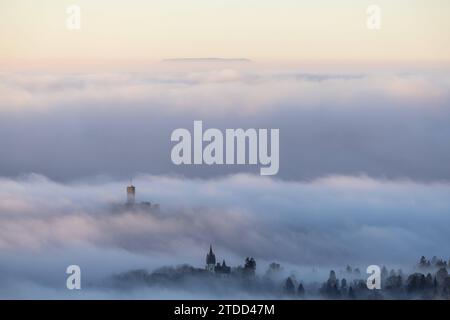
329	222
69	126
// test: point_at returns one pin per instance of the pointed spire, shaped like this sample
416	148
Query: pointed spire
210	249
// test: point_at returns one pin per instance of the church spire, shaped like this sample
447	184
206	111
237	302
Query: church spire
210	260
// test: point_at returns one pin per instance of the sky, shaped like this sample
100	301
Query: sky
263	30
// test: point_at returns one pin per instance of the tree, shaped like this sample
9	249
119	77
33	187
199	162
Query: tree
274	266
441	264
393	283
250	266
330	288
441	275
273	269
446	288
416	283
301	290
344	283
344	288
351	293
384	273
429	281
332	276
423	262
435	286
289	287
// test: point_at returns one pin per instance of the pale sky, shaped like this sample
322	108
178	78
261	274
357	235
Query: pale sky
261	30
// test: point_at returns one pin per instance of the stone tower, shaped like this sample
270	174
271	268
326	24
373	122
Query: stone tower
131	194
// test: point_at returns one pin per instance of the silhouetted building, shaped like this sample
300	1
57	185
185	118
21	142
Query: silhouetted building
222	268
131	195
144	205
210	260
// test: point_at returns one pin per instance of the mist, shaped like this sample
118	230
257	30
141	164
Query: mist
69	126
363	178
328	222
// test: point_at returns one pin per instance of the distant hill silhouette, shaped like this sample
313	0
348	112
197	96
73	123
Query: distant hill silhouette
222	60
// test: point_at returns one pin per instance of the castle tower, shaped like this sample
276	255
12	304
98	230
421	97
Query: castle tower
210	260
131	193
